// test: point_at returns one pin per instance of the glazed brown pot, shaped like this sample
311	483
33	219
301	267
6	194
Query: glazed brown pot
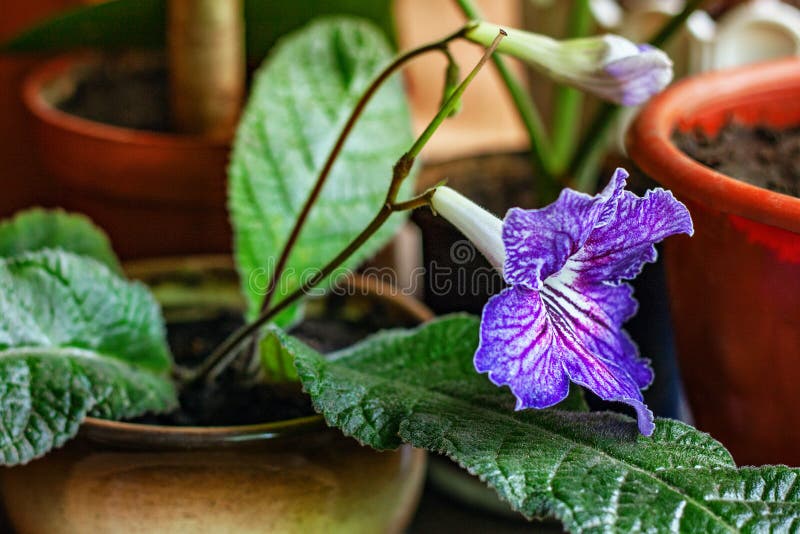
154	193
291	476
735	285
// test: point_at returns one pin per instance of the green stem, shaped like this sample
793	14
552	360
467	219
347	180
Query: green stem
585	165
227	351
568	101
528	113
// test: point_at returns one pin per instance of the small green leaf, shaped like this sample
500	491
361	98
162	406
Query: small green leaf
301	98
593	471
276	362
75	341
39	229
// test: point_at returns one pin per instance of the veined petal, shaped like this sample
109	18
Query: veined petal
608	381
619	249
539	242
516	349
593	315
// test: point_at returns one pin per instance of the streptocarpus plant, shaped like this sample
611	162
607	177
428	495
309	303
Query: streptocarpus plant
77	340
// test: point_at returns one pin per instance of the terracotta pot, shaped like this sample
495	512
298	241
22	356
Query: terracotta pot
291	476
154	193
22	182
735	285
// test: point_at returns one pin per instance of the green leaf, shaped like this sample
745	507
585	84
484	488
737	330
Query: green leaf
301	98
39	229
593	471
75	341
142	23
276	362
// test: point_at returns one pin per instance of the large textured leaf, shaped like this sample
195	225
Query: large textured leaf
142	23
39	229
300	100
75	340
593	471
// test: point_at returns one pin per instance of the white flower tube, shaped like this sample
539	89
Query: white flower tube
608	66
482	228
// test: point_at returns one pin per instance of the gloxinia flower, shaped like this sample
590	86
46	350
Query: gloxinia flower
608	66
561	317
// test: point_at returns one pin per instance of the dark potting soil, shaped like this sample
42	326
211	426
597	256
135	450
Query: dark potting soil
236	398
126	91
760	156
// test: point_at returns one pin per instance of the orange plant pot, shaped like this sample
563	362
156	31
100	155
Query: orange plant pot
735	285
155	194
22	182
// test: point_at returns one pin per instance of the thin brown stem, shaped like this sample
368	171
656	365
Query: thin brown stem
227	351
440	45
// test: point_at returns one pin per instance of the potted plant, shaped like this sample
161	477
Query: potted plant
79	340
140	142
733	287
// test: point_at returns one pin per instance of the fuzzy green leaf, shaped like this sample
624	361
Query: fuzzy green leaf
301	98
39	229
593	471
75	341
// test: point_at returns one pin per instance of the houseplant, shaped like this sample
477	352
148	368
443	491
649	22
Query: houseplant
593	471
747	237
161	129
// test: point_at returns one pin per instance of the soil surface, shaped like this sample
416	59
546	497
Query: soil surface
760	156
237	398
126	91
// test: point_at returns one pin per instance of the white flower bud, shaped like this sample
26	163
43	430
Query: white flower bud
478	225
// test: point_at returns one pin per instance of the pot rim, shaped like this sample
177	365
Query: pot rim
650	146
55	68
188	437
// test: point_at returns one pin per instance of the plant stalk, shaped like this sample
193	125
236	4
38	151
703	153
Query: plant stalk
585	164
227	351
528	113
280	265
568	102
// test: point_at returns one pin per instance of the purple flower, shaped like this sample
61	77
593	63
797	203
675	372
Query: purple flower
609	66
561	317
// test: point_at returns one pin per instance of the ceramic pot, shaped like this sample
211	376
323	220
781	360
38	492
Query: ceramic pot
154	193
290	476
735	285
22	182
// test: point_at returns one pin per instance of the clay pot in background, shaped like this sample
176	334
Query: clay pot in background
22	182
296	475
154	193
735	285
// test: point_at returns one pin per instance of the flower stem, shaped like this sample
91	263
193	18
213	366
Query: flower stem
440	45
528	113
585	165
227	351
568	101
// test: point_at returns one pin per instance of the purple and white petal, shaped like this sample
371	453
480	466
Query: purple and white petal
539	242
516	349
608	381
592	316
637	77
619	250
